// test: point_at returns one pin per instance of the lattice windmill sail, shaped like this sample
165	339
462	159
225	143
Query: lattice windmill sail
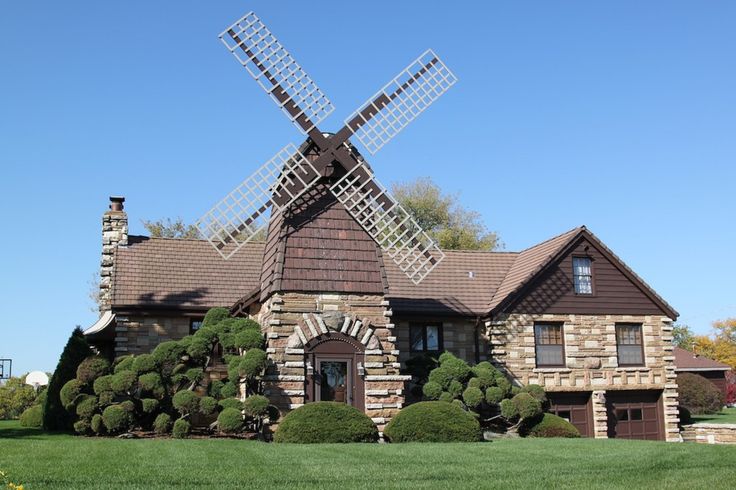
243	214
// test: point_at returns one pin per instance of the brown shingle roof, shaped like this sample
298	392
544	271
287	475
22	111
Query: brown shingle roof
687	361
182	273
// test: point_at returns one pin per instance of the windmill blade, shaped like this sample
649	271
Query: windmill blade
400	101
276	71
243	214
388	223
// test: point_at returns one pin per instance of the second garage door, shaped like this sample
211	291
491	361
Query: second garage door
575	408
634	415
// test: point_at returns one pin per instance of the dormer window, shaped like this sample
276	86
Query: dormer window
582	273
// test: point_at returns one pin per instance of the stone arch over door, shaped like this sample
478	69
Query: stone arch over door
332	357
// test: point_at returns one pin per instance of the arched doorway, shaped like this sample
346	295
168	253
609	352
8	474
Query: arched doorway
334	362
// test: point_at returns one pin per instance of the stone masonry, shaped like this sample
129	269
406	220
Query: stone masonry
141	334
591	362
114	234
291	320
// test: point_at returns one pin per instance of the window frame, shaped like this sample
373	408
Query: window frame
423	326
574	276
192	321
561	326
641	344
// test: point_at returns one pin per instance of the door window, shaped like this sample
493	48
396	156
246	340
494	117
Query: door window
334	381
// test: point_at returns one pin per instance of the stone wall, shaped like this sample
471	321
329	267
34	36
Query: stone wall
591	359
710	433
458	337
141	334
291	320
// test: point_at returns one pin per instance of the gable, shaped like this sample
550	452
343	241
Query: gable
615	291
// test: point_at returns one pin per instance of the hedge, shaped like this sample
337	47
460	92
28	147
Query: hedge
330	422
32	417
433	422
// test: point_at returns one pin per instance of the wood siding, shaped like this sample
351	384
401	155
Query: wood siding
613	292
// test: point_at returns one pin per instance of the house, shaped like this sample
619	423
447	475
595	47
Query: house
341	320
714	371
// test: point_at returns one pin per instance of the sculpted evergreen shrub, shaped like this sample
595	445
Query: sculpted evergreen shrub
97	425
207	405
143	363
116	419
123	382
494	395
322	422
215	316
102	384
55	415
182	429
92	368
231	403
432	422
548	425
86	406
256	406
69	392
162	424
186	402
229	390
124	363
526	405
699	395
152	383
32	417
149	405
230	421
82	426
250	338
432	390
472	397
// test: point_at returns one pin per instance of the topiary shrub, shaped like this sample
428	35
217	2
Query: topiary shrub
536	391
432	422
124	363
149	405
123	382
116	419
548	425
252	363
86	406
526	405
185	402
168	354
32	417
215	389
250	338
215	316
102	384
97	425
153	384
207	405
199	348
472	397
231	403
446	397
494	395
326	422
82	426
68	393
92	368
162	424
229	390
144	363
256	406
699	395
509	409
230	421
182	429
432	390
55	416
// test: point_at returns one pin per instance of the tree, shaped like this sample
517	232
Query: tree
443	218
55	417
683	337
15	397
170	229
720	345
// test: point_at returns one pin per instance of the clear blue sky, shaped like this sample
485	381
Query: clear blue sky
617	115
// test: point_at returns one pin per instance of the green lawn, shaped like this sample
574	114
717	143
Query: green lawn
62	461
726	416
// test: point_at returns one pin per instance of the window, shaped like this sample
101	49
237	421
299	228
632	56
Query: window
195	324
425	338
549	345
629	345
582	274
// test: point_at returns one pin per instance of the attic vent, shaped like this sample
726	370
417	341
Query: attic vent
471	274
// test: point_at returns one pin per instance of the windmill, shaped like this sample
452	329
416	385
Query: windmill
244	213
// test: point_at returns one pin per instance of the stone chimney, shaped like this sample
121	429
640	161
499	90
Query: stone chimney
114	234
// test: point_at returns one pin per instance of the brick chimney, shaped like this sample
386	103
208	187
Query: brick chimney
114	233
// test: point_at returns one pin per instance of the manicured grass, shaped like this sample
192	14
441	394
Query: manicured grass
726	416
63	461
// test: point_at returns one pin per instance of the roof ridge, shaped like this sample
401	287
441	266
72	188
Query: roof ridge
174	239
576	229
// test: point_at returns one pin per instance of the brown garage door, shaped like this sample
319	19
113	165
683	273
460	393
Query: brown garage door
634	415
575	408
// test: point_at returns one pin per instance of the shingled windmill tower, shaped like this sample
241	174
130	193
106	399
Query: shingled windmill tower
330	229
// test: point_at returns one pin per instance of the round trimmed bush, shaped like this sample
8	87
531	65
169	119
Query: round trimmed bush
123	382
116	419
231	403
445	356
182	429
473	397
457	368
432	390
215	316
149	405
229	390
699	395
455	388
168	354
446	397
548	425
82	426
194	375
230	421
92	368
96	424
240	324
441	376
326	422
536	391
509	409
502	382
494	395
152	383
209	334
526	405
250	338
32	417
86	406
185	401
199	348
106	398
144	363
128	406
215	388
252	363
433	422
124	363
162	424
103	383
207	405
256	406
69	393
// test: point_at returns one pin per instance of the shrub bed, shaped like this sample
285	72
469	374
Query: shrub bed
433	422
326	422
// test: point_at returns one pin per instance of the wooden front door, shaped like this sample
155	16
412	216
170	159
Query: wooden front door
332	363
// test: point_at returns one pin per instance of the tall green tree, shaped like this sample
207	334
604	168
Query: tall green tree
15	397
168	228
55	417
443	217
683	337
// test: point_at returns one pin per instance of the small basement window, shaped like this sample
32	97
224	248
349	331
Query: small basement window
549	345
629	344
425	337
582	274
